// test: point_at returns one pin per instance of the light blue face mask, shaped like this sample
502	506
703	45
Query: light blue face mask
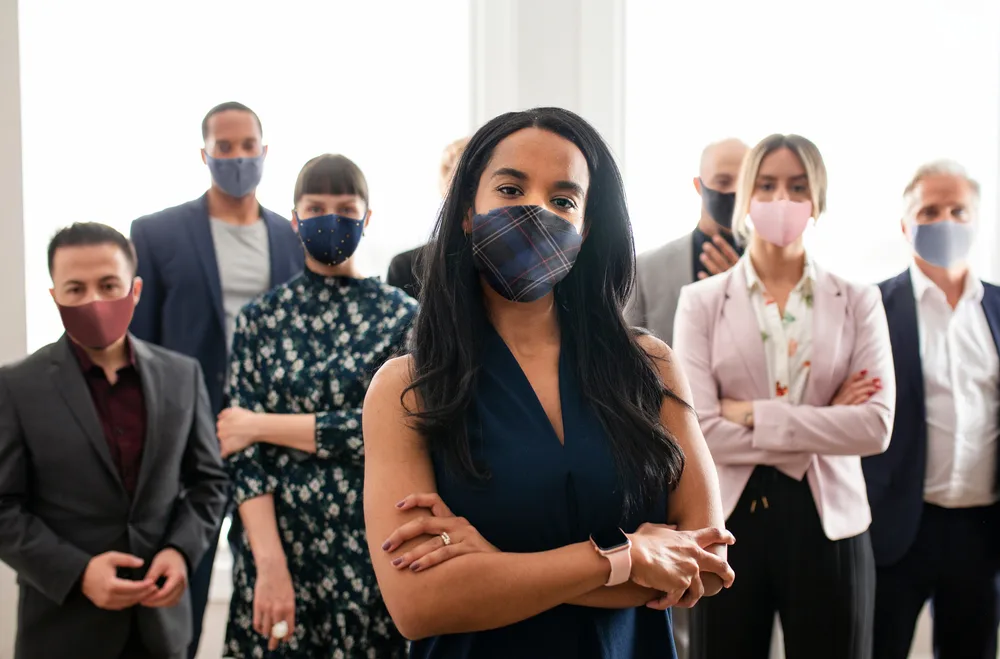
943	243
237	177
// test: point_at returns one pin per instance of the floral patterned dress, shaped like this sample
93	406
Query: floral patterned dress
311	346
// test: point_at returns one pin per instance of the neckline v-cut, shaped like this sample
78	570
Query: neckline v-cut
536	401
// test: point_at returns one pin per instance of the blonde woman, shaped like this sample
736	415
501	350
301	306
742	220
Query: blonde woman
792	377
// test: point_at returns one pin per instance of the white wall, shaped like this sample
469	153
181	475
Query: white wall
567	53
13	328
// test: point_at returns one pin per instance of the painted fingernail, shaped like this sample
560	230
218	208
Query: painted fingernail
401	503
396	562
386	545
415	567
864	372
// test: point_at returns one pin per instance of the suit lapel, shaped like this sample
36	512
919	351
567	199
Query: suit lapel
200	230
904	334
69	382
153	389
743	330
829	317
991	307
281	269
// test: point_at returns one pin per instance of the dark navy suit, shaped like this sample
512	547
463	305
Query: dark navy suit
922	552
181	309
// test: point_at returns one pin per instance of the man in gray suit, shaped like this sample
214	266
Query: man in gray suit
708	250
111	484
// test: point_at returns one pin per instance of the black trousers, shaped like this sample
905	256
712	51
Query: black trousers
823	590
954	563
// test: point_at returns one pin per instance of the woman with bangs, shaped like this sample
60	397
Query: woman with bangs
792	376
302	358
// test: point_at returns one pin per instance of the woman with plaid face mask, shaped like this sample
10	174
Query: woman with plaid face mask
536	484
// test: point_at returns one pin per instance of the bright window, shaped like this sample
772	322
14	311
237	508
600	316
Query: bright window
879	87
114	91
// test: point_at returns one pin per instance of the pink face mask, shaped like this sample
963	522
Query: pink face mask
780	222
100	323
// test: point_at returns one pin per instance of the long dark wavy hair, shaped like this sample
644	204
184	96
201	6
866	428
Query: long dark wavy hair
616	375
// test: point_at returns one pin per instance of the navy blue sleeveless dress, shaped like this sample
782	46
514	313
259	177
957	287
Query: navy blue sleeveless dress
543	495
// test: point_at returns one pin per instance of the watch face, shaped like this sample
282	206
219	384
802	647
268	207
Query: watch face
610	539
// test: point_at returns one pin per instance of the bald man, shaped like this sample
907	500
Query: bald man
708	250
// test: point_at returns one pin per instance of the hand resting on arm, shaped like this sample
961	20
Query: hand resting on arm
487	589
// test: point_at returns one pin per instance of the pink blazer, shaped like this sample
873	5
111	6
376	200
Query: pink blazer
717	341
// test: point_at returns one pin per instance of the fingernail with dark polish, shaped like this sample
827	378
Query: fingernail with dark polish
415	567
386	545
401	503
396	562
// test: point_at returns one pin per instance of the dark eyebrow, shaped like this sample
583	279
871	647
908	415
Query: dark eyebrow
511	172
521	176
570	186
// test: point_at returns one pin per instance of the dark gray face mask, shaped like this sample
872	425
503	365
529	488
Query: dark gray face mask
237	177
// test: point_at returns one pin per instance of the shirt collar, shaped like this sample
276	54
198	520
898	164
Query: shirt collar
86	363
805	284
973	290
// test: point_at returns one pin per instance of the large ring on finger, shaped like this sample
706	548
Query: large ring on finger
445	538
280	630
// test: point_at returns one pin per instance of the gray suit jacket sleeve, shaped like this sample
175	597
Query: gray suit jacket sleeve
39	556
660	276
201	507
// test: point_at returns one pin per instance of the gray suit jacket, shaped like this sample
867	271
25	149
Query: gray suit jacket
660	275
62	501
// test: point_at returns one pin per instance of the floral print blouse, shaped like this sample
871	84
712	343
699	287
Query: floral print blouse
787	336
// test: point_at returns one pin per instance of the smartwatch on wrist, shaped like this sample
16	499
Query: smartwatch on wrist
615	546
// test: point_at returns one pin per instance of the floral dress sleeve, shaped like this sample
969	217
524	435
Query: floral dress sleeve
251	470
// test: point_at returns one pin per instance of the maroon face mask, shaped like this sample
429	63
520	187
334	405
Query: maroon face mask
100	323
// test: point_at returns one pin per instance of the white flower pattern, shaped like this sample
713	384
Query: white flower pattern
312	346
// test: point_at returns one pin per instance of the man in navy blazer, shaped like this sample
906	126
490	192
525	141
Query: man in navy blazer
933	494
203	260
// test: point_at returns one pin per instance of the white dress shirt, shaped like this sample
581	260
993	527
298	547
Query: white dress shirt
960	369
787	337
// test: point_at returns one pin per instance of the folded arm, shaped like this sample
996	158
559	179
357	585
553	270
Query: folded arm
485	590
729	443
33	550
206	486
862	429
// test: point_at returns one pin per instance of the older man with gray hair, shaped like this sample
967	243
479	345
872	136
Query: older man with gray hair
933	494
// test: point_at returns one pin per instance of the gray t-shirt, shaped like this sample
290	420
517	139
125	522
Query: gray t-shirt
244	258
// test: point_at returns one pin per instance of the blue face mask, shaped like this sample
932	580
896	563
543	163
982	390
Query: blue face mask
523	251
943	243
331	239
237	177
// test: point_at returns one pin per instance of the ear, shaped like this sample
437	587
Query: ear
467	223
368	217
903	228
52	292
264	152
204	156
697	184
295	221
136	290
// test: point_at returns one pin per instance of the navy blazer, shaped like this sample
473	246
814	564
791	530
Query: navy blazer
181	304
895	478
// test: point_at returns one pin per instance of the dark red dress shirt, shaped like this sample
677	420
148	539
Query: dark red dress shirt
121	408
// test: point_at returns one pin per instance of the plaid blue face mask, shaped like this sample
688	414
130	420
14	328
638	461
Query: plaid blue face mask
523	251
331	239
